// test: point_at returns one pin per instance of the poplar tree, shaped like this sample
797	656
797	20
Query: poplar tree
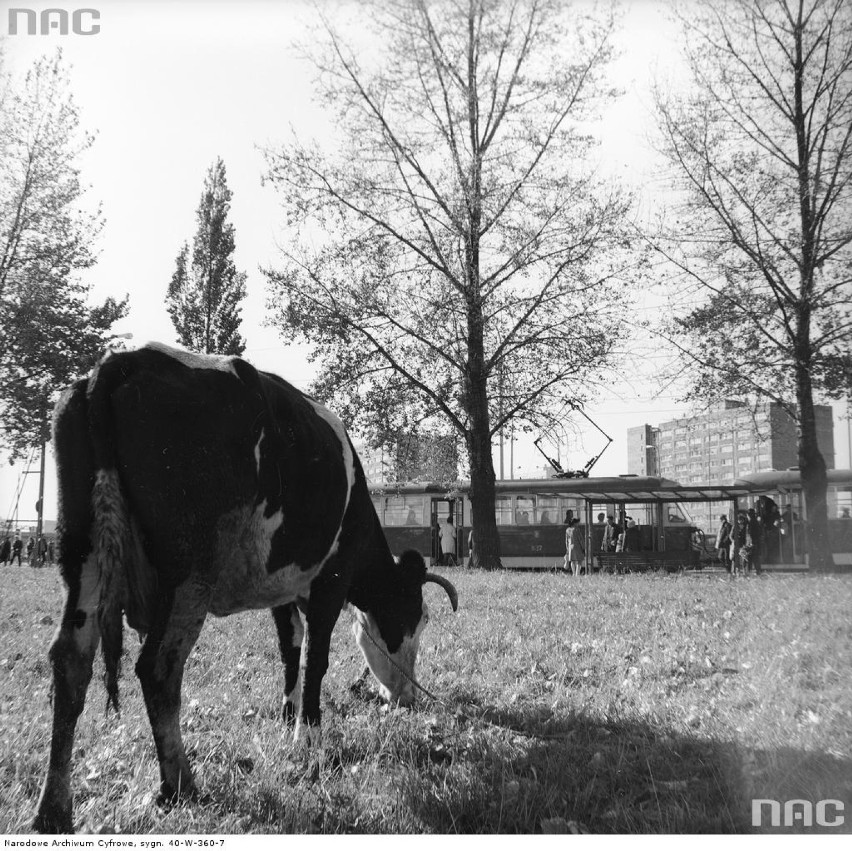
205	292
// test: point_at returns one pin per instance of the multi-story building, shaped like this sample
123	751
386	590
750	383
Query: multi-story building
726	443
425	458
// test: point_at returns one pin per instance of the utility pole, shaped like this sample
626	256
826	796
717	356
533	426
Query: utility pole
849	423
40	503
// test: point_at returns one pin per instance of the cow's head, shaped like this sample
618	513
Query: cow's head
390	636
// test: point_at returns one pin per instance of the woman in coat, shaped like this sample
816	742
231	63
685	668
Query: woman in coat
575	548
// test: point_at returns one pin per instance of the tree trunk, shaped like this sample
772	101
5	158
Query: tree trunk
814	479
486	547
811	463
486	541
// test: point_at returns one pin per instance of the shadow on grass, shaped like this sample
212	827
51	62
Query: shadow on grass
582	775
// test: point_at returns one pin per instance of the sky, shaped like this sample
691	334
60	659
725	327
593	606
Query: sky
170	86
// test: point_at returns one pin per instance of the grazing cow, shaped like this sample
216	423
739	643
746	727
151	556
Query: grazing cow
191	484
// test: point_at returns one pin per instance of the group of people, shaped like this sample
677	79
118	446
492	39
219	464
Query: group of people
38	554
617	538
741	548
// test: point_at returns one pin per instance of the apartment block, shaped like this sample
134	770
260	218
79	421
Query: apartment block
728	442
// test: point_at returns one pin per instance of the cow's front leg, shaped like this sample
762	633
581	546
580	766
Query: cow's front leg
291	633
181	614
324	605
71	655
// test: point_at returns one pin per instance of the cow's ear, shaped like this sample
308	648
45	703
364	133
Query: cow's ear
413	567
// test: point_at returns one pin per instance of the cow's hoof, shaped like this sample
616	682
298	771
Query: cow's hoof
53	821
307	736
168	797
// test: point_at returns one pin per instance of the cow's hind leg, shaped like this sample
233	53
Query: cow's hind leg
180	616
71	656
288	624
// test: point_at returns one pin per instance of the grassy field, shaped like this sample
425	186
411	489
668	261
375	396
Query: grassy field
601	705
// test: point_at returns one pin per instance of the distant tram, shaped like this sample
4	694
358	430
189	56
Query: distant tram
531	515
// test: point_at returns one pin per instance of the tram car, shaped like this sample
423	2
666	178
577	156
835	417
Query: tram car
676	521
532	514
787	541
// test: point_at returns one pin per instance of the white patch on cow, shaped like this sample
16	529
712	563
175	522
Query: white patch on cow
294	698
257	450
244	541
393	671
193	360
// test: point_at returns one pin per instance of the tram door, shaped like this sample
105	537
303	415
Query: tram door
442	508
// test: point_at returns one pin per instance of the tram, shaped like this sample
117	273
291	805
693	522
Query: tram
785	489
531	515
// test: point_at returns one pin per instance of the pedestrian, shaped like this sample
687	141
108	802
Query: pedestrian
769	517
575	549
17	547
51	551
41	551
723	542
470	547
739	543
755	533
30	548
6	551
611	532
448	541
632	538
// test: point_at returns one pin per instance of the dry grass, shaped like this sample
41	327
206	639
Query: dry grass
610	704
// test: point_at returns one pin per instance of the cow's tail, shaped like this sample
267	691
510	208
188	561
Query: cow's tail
112	534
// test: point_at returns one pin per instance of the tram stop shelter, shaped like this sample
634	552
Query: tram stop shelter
666	541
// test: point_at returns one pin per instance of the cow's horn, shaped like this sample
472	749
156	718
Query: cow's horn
447	586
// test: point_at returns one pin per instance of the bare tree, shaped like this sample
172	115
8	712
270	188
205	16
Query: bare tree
763	145
458	258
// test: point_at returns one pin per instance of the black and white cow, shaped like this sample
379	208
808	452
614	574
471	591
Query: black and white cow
191	484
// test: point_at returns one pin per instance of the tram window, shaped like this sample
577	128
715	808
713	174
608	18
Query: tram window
503	510
675	514
575	506
403	511
548	510
524	510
